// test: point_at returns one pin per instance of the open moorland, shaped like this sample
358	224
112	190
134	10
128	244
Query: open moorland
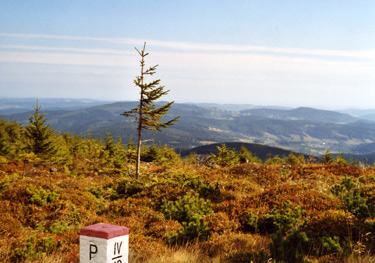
230	207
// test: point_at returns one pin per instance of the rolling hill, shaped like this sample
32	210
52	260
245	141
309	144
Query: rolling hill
302	114
304	130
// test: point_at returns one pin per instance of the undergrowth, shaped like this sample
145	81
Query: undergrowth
234	210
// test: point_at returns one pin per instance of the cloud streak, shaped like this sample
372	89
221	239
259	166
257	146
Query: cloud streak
190	46
66	49
191	56
215	68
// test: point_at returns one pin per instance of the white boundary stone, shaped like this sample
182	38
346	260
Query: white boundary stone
112	245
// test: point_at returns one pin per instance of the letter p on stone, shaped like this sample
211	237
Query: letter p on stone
104	243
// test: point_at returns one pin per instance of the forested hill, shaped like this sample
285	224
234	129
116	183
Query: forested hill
264	152
302	130
261	151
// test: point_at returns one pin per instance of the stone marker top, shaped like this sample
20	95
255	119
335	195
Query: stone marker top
103	230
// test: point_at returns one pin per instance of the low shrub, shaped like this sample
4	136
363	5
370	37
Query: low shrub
128	187
204	188
189	210
249	221
279	220
225	157
35	248
293	248
4	184
352	195
40	196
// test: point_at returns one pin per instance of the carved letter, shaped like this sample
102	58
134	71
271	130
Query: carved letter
93	250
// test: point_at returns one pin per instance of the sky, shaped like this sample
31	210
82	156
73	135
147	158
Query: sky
287	53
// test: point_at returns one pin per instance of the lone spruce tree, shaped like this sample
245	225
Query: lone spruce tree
146	114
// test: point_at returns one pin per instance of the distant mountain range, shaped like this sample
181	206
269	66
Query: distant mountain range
10	106
304	130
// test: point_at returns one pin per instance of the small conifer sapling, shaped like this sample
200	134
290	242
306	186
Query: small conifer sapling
40	137
146	114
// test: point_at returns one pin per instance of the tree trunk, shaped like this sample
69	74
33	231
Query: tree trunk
138	165
138	154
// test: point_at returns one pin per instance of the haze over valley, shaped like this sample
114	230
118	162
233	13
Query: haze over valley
304	130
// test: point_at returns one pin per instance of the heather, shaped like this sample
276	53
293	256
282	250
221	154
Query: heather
231	208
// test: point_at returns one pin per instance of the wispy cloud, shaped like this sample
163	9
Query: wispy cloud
202	47
200	67
64	59
66	49
185	56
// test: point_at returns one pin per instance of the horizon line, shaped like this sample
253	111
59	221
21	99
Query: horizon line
189	102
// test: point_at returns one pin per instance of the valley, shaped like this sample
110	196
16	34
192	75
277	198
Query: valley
303	130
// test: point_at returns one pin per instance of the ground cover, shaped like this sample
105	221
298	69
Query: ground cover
242	213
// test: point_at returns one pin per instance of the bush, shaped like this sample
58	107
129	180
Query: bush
340	160
4	184
161	155
327	158
249	221
190	211
292	159
97	192
204	188
128	187
35	248
150	153
244	156
291	249
197	229
331	245
41	197
355	203
58	227
225	157
279	220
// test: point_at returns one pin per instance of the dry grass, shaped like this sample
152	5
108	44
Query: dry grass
230	243
360	259
177	255
54	258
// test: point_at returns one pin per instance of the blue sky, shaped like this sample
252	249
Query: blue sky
284	53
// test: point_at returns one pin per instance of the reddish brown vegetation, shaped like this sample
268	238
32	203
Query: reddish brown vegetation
42	212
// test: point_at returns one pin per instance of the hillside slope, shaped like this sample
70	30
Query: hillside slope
302	113
303	130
